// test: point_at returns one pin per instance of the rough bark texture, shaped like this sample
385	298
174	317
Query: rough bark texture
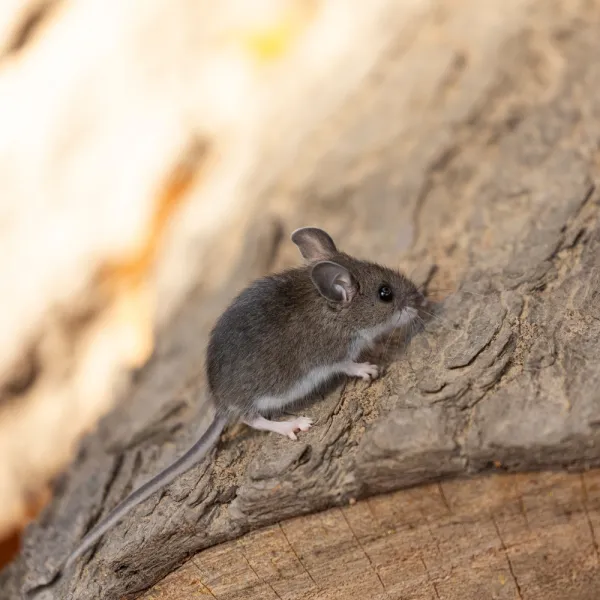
488	169
507	537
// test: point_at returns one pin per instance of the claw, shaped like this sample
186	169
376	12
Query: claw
366	371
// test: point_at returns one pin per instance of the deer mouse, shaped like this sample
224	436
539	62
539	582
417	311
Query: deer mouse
282	338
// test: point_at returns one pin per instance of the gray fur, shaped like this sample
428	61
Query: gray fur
281	327
282	338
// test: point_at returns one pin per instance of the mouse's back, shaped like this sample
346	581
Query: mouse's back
286	331
273	332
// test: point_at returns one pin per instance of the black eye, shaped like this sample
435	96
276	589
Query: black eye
385	293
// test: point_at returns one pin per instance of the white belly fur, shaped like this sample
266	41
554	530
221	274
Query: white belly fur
319	375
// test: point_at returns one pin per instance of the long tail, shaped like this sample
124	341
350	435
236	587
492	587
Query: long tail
181	465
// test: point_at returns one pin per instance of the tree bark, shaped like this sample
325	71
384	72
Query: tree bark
500	536
491	175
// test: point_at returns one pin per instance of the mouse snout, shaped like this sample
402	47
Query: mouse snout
418	300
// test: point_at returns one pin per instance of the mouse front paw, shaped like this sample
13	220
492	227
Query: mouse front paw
365	371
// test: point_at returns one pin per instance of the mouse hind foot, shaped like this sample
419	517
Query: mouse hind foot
287	428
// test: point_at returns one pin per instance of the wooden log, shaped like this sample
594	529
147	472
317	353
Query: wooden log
500	536
491	175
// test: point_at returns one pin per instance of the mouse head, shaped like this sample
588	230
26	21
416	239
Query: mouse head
373	296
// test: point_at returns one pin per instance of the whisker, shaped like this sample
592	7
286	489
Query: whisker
422	286
445	322
413	330
422	322
455	292
389	339
406	338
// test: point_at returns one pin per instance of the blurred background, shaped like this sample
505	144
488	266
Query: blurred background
155	156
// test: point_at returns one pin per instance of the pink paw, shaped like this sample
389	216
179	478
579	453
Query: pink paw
365	371
290	428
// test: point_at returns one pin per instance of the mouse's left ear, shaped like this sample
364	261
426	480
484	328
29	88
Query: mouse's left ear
314	243
334	282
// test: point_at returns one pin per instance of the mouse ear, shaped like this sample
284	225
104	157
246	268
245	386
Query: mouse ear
314	243
334	282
